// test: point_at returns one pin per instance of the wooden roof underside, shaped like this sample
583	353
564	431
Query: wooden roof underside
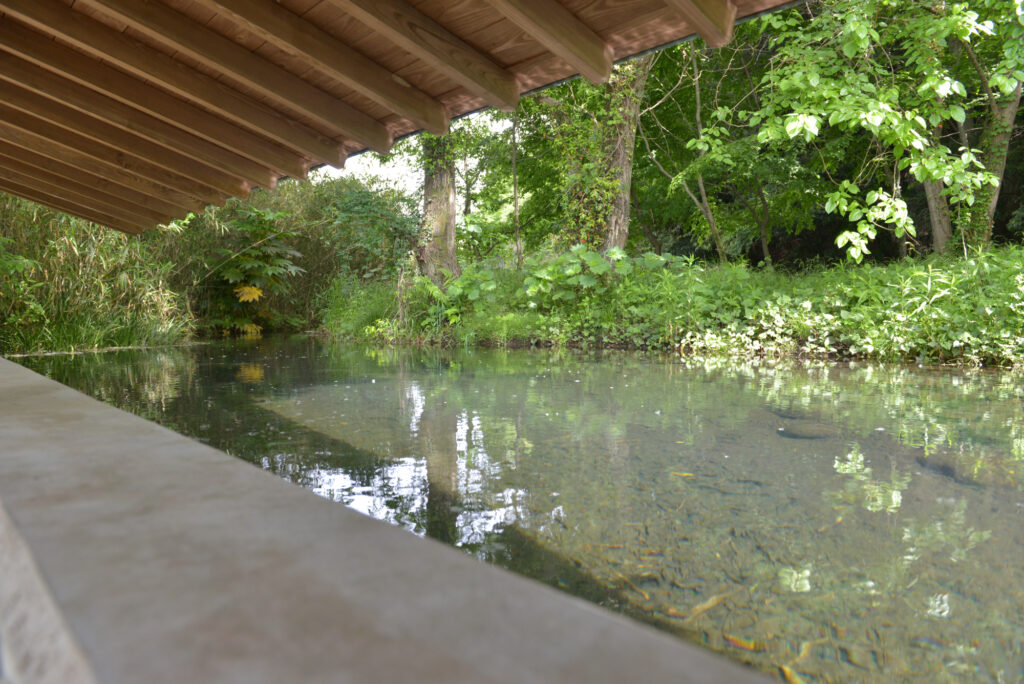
131	113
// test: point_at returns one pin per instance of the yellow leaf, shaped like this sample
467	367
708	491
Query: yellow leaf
252	330
248	293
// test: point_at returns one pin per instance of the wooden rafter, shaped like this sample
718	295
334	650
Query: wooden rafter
116	85
558	29
57	151
111	157
712	20
73	208
147	62
92	128
431	42
128	119
213	50
137	111
275	24
78	193
84	188
74	174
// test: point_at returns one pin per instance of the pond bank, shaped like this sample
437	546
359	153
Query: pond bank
950	310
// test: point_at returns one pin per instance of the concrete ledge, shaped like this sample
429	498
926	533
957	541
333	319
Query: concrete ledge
129	553
35	643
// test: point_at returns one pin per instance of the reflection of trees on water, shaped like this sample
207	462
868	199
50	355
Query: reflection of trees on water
666	492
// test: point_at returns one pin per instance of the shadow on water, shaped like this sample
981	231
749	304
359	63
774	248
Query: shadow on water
846	522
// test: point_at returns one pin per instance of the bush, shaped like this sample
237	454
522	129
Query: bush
939	309
66	284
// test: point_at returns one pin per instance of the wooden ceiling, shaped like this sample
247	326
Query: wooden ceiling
131	113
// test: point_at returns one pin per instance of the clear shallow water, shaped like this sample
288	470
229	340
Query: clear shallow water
823	522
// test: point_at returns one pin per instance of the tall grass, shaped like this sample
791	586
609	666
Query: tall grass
66	284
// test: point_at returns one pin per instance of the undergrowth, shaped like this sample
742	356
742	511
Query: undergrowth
938	309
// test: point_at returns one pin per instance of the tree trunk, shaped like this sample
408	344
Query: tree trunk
436	253
627	88
938	214
995	145
762	224
709	216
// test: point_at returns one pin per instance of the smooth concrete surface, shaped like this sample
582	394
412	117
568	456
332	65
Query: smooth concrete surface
129	553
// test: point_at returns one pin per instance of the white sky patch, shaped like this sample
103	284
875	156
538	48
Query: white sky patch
397	171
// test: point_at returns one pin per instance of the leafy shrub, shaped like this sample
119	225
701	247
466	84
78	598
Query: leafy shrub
254	268
66	284
940	309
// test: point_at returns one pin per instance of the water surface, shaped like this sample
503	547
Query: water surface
821	522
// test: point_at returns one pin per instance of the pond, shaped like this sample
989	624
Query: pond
820	522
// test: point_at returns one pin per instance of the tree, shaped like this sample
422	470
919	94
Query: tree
437	251
578	143
701	147
898	72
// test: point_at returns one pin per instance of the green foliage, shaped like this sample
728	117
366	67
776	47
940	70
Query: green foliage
892	73
968	311
254	267
350	306
68	285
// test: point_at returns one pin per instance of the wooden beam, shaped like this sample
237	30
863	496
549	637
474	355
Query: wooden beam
33	164
43	82
127	143
108	155
712	20
438	47
54	150
55	18
80	194
322	51
561	32
71	208
139	96
211	49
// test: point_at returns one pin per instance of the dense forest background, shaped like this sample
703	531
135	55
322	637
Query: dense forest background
843	179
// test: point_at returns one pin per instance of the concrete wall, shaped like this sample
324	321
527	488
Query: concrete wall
129	553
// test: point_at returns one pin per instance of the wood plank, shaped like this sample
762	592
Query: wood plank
54	150
435	45
126	118
108	155
322	51
55	18
211	49
69	207
33	164
81	195
712	20
129	91
14	165
561	32
127	143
